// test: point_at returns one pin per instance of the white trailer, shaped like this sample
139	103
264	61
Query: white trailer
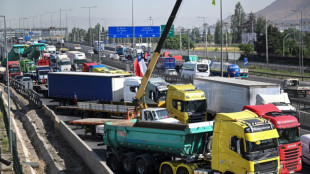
230	95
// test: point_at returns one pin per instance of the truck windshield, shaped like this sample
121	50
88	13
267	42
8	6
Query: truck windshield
43	72
195	106
290	112
264	144
202	67
162	94
65	63
14	70
289	135
161	114
80	61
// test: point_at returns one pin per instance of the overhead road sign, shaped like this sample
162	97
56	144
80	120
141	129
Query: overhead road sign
140	31
171	31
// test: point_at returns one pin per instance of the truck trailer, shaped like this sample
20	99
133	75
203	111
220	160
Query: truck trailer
85	86
230	95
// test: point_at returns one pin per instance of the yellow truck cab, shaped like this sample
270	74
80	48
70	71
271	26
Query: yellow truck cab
244	143
186	103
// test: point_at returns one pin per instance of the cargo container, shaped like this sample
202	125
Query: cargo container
192	58
85	86
230	95
87	65
166	63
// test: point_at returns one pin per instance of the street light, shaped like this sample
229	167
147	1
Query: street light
20	33
205	36
8	79
300	46
67	23
221	41
51	17
41	19
90	36
284	42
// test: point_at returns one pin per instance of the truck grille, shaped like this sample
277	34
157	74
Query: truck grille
291	165
291	154
194	118
266	167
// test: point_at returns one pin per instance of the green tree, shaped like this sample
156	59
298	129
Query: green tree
274	41
246	48
307	43
250	23
217	33
174	42
260	26
210	37
237	21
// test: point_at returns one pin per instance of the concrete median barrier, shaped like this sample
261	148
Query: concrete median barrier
92	160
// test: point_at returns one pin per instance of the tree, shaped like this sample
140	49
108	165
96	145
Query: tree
250	23
174	42
237	21
246	48
195	35
210	37
307	49
260	26
217	33
274	41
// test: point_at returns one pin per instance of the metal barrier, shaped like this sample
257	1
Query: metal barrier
17	166
281	76
32	95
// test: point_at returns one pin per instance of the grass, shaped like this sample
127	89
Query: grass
3	136
286	72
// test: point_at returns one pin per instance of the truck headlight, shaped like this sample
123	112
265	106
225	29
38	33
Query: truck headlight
250	172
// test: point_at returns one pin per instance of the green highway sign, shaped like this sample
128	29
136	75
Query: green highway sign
171	31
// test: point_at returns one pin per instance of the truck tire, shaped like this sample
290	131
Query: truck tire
141	167
166	169
182	170
114	164
128	163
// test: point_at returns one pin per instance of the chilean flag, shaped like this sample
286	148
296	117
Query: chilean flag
75	98
140	66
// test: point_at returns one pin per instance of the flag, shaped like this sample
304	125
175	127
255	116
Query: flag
139	66
213	2
75	98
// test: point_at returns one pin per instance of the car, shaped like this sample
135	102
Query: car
27	82
90	52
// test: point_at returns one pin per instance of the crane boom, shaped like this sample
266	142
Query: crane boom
156	54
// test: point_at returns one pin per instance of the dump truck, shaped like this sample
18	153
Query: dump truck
230	95
242	143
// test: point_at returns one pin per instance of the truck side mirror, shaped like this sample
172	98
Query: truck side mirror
151	96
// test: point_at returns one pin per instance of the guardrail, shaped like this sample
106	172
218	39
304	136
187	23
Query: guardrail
32	95
281	76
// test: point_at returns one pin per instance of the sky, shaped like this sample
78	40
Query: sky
119	12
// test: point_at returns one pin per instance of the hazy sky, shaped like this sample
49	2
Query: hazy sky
119	12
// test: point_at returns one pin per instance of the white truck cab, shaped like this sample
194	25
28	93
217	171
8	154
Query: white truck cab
77	59
131	86
63	63
281	101
305	141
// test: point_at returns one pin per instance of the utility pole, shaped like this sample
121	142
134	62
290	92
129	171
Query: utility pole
90	35
188	44
221	41
302	46
133	27
267	58
67	24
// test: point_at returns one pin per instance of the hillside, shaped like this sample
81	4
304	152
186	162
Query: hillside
287	11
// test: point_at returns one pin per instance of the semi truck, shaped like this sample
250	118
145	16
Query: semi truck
294	89
230	95
240	142
87	65
63	63
166	65
77	59
229	70
42	74
27	65
281	101
14	69
186	103
288	128
96	47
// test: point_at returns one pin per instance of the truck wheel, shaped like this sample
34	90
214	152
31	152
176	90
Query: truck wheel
182	170
114	164
128	163
141	167
166	169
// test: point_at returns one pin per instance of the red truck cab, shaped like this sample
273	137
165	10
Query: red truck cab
87	65
14	69
289	135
